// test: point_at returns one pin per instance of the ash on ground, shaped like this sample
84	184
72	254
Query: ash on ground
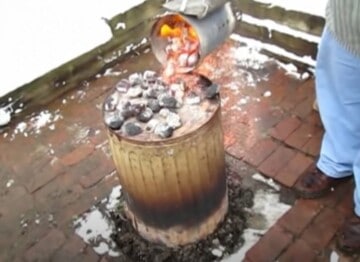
223	242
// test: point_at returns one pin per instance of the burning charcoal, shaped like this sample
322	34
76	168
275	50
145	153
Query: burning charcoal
173	120
212	91
113	120
132	110
111	102
151	93
164	112
135	79
123	104
151	125
145	115
122	86
192	99
176	87
192	60
150	76
134	92
132	129
167	101
163	130
183	60
154	105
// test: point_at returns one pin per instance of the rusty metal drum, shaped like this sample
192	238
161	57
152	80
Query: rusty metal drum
175	188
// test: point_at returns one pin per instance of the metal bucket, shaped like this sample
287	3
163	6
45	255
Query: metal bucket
175	189
212	30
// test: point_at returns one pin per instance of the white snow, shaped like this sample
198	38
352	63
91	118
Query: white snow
5	117
255	44
10	183
267	205
334	257
307	6
38	36
95	228
271	25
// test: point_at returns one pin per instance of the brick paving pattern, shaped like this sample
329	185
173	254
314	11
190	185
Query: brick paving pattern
59	173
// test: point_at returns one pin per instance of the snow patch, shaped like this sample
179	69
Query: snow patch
306	6
266	205
258	45
271	25
95	227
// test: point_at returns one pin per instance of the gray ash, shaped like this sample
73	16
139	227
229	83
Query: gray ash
224	241
141	98
163	130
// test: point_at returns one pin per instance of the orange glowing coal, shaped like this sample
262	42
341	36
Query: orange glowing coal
182	48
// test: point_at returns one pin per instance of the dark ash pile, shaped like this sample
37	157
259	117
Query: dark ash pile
224	241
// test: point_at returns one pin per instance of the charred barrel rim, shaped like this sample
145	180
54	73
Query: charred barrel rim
170	140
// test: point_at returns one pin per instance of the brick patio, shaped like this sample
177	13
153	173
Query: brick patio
60	173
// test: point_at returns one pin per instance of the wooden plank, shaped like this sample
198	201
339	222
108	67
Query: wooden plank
292	44
294	19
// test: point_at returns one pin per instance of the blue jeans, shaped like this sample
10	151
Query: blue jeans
338	95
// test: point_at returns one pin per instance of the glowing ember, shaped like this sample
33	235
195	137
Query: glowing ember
182	47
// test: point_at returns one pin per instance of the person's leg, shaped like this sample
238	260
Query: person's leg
338	93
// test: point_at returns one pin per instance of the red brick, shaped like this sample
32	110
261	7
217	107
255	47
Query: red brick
296	94
304	108
319	233
302	135
59	193
268	119
244	136
346	205
298	251
276	161
44	175
45	248
291	172
314	119
312	147
263	149
73	248
300	216
337	194
229	139
89	255
14	202
78	154
285	128
103	166
270	246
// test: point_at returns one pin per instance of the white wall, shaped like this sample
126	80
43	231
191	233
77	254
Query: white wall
37	36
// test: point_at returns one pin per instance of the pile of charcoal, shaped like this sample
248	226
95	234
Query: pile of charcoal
145	103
